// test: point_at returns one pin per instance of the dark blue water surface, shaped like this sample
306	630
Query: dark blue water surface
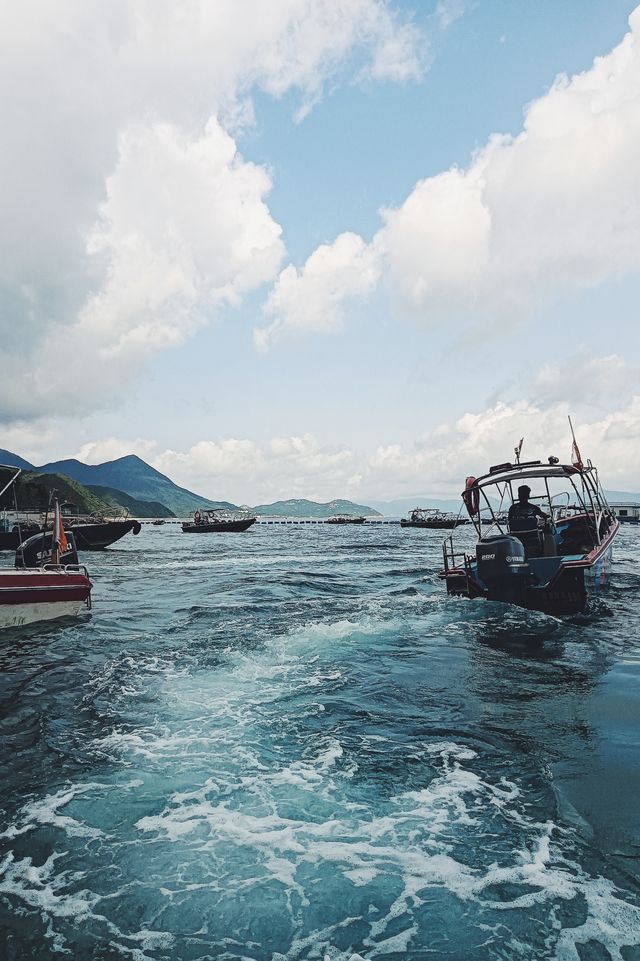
290	744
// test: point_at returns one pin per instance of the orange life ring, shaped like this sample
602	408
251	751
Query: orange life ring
471	497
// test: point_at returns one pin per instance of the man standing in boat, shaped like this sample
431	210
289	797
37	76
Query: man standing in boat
523	508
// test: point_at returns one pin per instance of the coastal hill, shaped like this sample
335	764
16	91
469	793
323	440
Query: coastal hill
33	492
131	483
137	508
305	508
129	475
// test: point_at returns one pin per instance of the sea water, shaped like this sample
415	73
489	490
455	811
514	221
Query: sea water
291	744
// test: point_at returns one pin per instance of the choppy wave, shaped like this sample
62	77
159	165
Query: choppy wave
264	771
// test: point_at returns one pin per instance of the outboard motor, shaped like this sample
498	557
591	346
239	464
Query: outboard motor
502	566
37	550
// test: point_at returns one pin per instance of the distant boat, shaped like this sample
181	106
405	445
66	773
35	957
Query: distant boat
218	521
345	519
158	523
54	586
431	518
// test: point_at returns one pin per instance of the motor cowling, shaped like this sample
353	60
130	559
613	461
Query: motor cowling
37	550
502	566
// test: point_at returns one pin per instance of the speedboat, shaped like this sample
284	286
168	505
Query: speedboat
218	521
95	531
551	557
47	581
431	518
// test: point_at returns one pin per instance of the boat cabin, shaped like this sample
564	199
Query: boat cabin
627	512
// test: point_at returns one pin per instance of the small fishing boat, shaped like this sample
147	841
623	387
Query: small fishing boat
553	551
47	582
431	518
93	532
345	519
218	521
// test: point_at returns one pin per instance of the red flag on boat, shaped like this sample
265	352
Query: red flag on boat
576	456
59	536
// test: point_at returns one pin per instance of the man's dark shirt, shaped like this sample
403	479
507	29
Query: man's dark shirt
525	509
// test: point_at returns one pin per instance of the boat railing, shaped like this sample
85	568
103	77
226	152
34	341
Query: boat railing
453	558
66	568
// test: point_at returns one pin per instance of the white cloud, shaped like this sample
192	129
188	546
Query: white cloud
184	229
313	298
111	448
436	464
555	208
584	380
448	11
552	210
129	218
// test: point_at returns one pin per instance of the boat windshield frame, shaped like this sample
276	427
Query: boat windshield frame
584	482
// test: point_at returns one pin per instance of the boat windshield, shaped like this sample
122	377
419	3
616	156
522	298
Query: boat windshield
557	490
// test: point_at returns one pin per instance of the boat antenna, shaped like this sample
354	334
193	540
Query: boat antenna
517	450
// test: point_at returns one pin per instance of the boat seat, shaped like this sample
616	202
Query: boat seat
526	529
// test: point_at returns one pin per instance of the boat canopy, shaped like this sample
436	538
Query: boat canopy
508	473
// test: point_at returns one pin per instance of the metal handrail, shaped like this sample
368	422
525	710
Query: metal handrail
65	568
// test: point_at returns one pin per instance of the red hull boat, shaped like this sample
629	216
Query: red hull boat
43	594
47	582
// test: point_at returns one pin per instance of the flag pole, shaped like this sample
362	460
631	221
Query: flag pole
55	545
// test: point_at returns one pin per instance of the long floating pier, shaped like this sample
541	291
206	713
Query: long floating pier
283	520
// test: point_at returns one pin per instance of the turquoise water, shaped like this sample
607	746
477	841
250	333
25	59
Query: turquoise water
290	744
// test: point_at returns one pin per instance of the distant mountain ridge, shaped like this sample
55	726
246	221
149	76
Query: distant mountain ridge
137	508
130	475
299	507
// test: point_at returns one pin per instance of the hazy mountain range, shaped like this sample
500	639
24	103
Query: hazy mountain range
132	483
304	508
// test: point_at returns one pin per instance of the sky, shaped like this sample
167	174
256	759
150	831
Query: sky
321	248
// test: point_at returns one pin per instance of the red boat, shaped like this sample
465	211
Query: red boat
43	594
48	582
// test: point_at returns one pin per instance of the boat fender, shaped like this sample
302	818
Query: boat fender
471	497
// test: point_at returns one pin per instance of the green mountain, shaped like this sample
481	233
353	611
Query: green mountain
137	508
305	508
33	491
130	475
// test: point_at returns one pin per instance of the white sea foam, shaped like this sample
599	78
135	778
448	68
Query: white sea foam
45	811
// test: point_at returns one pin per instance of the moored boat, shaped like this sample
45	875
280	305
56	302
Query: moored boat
218	521
431	518
554	549
93	532
47	582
